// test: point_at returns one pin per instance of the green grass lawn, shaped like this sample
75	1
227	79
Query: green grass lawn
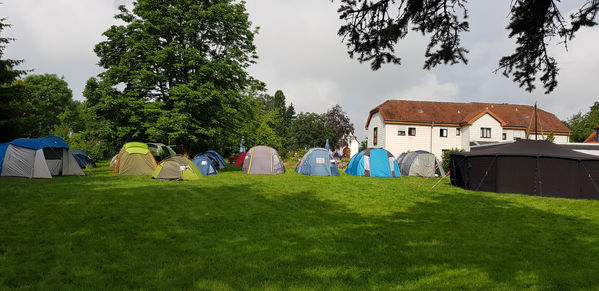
234	231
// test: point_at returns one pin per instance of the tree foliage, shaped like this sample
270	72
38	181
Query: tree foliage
582	125
373	28
174	72
50	103
310	130
12	121
343	126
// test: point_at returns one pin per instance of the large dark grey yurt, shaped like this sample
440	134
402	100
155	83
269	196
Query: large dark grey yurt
529	167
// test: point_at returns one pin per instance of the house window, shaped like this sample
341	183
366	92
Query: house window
411	131
458	131
443	132
504	136
485	132
401	132
375	136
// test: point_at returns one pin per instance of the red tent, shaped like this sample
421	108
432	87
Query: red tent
240	159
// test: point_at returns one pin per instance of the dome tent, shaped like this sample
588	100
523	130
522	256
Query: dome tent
135	159
263	160
420	163
205	164
240	159
373	163
317	162
177	168
83	159
160	151
43	157
528	167
216	158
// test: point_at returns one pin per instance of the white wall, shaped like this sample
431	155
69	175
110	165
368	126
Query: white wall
376	121
397	144
489	122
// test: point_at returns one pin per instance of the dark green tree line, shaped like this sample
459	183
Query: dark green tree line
582	125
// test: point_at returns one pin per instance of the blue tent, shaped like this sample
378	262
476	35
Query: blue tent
216	158
40	143
373	163
205	164
83	159
317	162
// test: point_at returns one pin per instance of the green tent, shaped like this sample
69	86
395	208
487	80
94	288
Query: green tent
177	168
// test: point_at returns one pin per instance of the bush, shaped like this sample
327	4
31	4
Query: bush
445	158
96	148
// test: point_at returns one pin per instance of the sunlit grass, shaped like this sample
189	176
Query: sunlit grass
234	231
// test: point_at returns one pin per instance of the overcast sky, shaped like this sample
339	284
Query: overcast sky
300	53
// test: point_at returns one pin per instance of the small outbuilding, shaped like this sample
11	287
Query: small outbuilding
528	167
263	160
373	162
317	162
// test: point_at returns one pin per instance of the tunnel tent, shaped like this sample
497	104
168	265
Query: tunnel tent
43	157
177	168
135	159
83	159
205	164
263	160
528	167
373	162
420	163
317	162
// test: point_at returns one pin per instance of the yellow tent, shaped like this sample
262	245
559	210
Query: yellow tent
177	168
135	159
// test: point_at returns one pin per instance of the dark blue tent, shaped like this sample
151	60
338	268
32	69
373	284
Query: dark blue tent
373	163
83	159
317	162
216	158
205	164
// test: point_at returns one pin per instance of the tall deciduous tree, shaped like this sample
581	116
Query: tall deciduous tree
309	130
373	28
177	68
51	101
12	119
343	126
582	125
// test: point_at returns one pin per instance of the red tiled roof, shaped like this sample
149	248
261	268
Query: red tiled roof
459	114
593	137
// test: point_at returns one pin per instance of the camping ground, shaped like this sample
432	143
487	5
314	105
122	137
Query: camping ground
234	231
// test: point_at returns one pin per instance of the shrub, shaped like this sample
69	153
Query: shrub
445	158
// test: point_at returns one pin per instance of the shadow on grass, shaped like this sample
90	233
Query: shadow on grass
236	237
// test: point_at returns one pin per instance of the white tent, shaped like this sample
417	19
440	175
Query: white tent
38	158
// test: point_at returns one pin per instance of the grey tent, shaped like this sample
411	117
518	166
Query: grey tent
420	163
38	158
263	160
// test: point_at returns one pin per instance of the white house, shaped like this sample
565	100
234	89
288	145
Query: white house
400	125
353	145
